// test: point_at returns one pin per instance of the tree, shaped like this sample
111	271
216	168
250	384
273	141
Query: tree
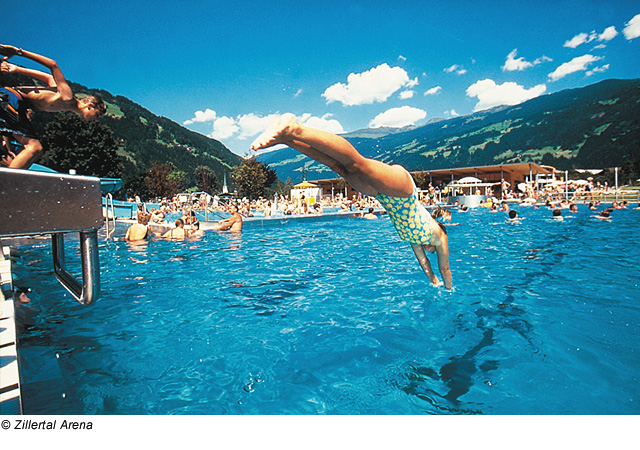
206	179
87	147
164	180
253	177
177	178
278	187
629	173
421	179
288	185
134	185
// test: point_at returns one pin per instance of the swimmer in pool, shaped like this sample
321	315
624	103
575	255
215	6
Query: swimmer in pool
513	216
175	233
196	232
369	215
233	223
392	186
138	231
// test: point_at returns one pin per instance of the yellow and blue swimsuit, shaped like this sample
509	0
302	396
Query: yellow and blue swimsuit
412	221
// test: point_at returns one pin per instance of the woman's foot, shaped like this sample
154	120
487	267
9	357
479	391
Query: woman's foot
278	132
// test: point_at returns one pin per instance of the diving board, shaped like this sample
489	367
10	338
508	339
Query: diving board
37	203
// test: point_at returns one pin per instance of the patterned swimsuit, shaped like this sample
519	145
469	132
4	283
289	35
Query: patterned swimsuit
412	221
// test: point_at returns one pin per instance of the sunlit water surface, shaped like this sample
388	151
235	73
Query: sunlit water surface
336	317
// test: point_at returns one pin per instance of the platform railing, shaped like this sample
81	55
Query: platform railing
36	203
109	215
87	291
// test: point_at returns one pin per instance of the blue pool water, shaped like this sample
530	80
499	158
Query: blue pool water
335	317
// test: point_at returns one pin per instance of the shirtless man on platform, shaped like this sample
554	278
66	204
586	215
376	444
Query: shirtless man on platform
15	103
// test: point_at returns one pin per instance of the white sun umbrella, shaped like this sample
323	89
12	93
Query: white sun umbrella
469	180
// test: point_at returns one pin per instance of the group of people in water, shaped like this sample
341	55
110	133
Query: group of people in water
186	227
556	210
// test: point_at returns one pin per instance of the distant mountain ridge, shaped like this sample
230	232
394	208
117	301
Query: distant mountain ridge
595	126
375	133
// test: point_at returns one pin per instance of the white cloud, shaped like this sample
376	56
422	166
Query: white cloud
608	34
451	113
455	68
512	64
411	83
451	68
580	39
398	117
577	64
401	58
600	69
406	94
224	127
632	28
583	38
433	90
207	115
251	125
374	85
324	123
490	94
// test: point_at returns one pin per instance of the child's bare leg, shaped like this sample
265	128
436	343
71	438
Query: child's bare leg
390	180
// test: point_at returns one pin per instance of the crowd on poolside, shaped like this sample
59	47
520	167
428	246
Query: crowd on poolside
554	198
577	190
188	225
237	209
281	205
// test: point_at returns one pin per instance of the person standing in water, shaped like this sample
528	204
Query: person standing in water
392	186
233	223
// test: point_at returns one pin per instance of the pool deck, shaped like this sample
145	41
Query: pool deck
10	399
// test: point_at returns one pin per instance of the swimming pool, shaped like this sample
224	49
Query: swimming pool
335	317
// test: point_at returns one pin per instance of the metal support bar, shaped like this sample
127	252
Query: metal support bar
89	290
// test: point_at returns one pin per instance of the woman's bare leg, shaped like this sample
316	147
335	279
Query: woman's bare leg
353	180
326	147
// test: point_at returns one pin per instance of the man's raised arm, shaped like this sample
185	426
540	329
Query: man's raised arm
56	79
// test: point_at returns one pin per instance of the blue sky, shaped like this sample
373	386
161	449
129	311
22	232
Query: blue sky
226	69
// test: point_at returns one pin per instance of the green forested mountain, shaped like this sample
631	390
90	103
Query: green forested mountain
596	126
144	138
